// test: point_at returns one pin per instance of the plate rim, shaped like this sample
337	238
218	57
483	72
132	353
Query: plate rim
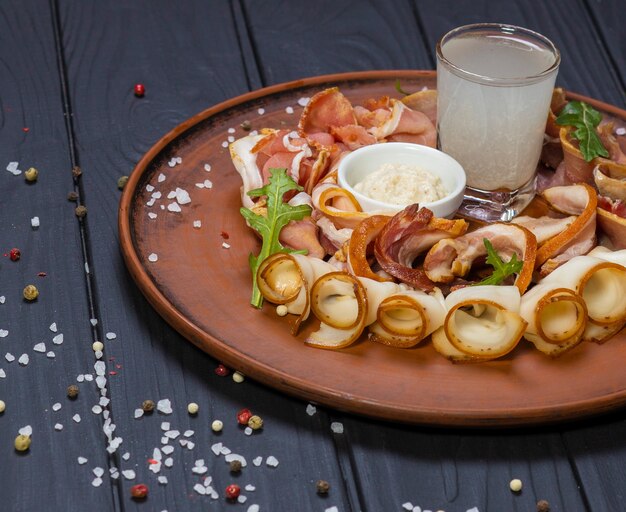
292	384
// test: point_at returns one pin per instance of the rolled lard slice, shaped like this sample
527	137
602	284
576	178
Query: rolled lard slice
287	279
407	317
556	318
606	254
483	321
601	333
345	305
601	284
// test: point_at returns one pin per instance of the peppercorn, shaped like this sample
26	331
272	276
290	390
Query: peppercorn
77	171
192	408
217	426
232	492
81	211
139	492
30	292
238	377
322	487
543	506
147	406
72	391
22	443
255	422
515	485
140	90
121	182
31	175
72	196
235	466
221	370
246	126
15	254
244	416
97	346
3	406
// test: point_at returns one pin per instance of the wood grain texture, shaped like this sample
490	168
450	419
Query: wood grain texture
188	56
48	477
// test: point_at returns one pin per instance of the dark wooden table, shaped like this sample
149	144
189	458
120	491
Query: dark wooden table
67	71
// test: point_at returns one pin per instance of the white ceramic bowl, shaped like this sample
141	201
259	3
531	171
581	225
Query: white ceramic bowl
355	166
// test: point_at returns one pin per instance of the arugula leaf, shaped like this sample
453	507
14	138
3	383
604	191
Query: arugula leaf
399	88
501	270
269	227
585	119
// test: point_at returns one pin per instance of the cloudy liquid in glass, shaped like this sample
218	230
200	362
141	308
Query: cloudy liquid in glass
495	131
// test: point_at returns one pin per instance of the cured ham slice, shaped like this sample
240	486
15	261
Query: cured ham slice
610	178
544	228
287	279
406	125
580	236
302	235
361	238
556	318
482	323
326	109
424	101
450	258
353	136
407	317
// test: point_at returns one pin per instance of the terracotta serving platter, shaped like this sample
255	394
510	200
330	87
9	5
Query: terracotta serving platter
202	288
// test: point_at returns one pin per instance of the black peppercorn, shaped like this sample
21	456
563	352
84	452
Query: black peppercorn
246	126
72	391
81	211
147	406
322	487
543	506
72	196
76	172
235	466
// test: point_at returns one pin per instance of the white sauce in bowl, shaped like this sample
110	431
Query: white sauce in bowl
401	185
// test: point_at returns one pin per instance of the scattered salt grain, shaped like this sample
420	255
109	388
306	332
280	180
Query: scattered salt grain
96	482
261	111
224	450
231	130
86	268
169	462
104	401
89	377
257	461
336	427
23	360
162	206
271	461
173	207
208	184
331	509
217	448
191	445
149	188
76	418
303	102
241	499
199	488
188	433
247	431
178	159
161	178
473	509
231	138
162	480
138	413
2	299
197	224
225	144
311	409
2	374
53	327
250	488
58	339
199	468
165	440
225	245
200	185
253	508
9	357
182	196
171	194
12	168
126	456
207	167
289	110
110	335
129	474
157	194
407	506
51	355
165	425
58	427
98	471
151	202
56	407
167	450
34	222
171	163
3	333
164	406
96	409
621	131
40	347
152	215
26	431
82	460
153	257
172	434
234	456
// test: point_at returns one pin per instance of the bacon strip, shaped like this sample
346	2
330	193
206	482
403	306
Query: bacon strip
324	110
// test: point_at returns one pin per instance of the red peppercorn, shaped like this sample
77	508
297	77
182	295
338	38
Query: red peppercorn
232	492
244	416
222	371
15	254
140	90
225	235
139	491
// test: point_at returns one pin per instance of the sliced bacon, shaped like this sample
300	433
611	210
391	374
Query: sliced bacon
610	179
575	168
406	125
556	105
408	234
612	221
360	241
325	109
580	237
302	234
544	228
450	258
424	101
371	118
353	136
605	131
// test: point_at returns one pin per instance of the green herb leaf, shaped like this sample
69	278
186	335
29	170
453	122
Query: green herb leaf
501	270
279	214
399	88
585	119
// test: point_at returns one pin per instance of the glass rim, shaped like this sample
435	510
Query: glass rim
503	28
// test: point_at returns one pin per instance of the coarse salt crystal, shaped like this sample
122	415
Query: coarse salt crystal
129	474
225	451
257	461
96	409
3	333
152	215
271	461
190	445
188	433
58	427
241	499
34	222
231	130
50	354
199	470
98	471
165	425
303	102
110	335
416	508
234	456
9	357
58	339
162	206
26	431
157	194
126	456
182	196
40	347
169	462
82	460
217	448
336	427
225	144
173	207
57	406
161	178
149	187
250	488
96	482
172	434
207	167
76	418
104	401
93	321
12	168
225	245
331	509
199	488
231	138
138	413
407	506
2	299
167	450
473	509
200	185
23	360
53	327
621	131
162	479
247	431
171	163
153	257
208	184
197	224
86	268
101	381
164	406
311	409
100	368
151	202
178	159
261	111
171	194
289	110
253	508
88	377
2	374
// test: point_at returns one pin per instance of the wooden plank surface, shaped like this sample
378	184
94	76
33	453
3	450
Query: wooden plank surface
32	132
189	57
